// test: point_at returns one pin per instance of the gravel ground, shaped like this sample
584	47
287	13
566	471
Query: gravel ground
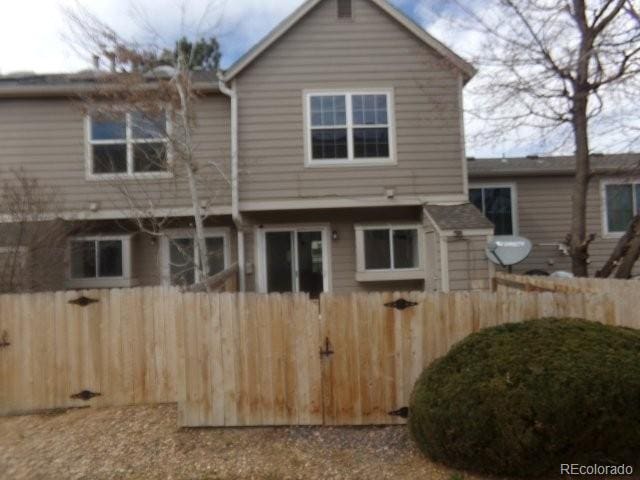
144	443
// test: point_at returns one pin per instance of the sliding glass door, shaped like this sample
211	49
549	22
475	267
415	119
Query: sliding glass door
295	261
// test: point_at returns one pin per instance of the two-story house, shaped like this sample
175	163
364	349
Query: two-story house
338	148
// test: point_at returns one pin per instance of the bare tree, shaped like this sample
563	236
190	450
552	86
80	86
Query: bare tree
151	82
562	70
32	236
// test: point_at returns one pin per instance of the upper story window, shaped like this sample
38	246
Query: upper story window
101	261
182	258
349	128
622	203
497	203
127	143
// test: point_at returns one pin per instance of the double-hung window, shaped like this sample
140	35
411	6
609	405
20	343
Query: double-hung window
182	257
102	261
389	249
349	128
127	143
497	203
622	203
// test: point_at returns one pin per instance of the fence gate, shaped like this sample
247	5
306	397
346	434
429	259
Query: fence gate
378	344
248	360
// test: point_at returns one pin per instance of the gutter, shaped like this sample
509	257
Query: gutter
235	194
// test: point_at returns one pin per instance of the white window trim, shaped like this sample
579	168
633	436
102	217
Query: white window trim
514	200
603	202
129	142
123	281
174	233
365	275
261	253
351	161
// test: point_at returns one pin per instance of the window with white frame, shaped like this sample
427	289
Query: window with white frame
127	143
182	257
497	204
388	248
349	127
103	257
622	203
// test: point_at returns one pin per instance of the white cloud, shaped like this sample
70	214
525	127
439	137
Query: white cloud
31	31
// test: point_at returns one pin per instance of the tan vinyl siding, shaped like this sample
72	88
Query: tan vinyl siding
371	51
433	262
544	206
46	138
468	264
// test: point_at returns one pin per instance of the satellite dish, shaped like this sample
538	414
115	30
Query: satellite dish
508	250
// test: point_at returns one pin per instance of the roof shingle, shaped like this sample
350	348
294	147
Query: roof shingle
561	165
458	217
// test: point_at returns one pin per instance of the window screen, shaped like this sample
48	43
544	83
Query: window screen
377	249
620	208
97	259
495	204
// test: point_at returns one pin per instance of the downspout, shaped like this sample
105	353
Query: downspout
235	202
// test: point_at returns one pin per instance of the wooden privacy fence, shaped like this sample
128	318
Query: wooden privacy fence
625	294
59	349
351	360
248	359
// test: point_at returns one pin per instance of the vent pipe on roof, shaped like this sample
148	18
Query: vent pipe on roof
96	62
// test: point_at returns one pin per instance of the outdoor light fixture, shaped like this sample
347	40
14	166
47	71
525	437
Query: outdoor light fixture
334	235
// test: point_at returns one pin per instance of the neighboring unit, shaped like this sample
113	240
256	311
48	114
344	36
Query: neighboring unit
531	197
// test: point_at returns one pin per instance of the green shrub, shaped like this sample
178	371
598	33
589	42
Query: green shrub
521	399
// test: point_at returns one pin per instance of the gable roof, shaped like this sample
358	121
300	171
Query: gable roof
546	166
458	217
280	30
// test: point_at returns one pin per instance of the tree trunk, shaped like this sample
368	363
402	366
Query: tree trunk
632	250
621	250
187	153
578	242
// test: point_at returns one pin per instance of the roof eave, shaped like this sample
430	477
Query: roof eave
468	70
547	173
33	91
